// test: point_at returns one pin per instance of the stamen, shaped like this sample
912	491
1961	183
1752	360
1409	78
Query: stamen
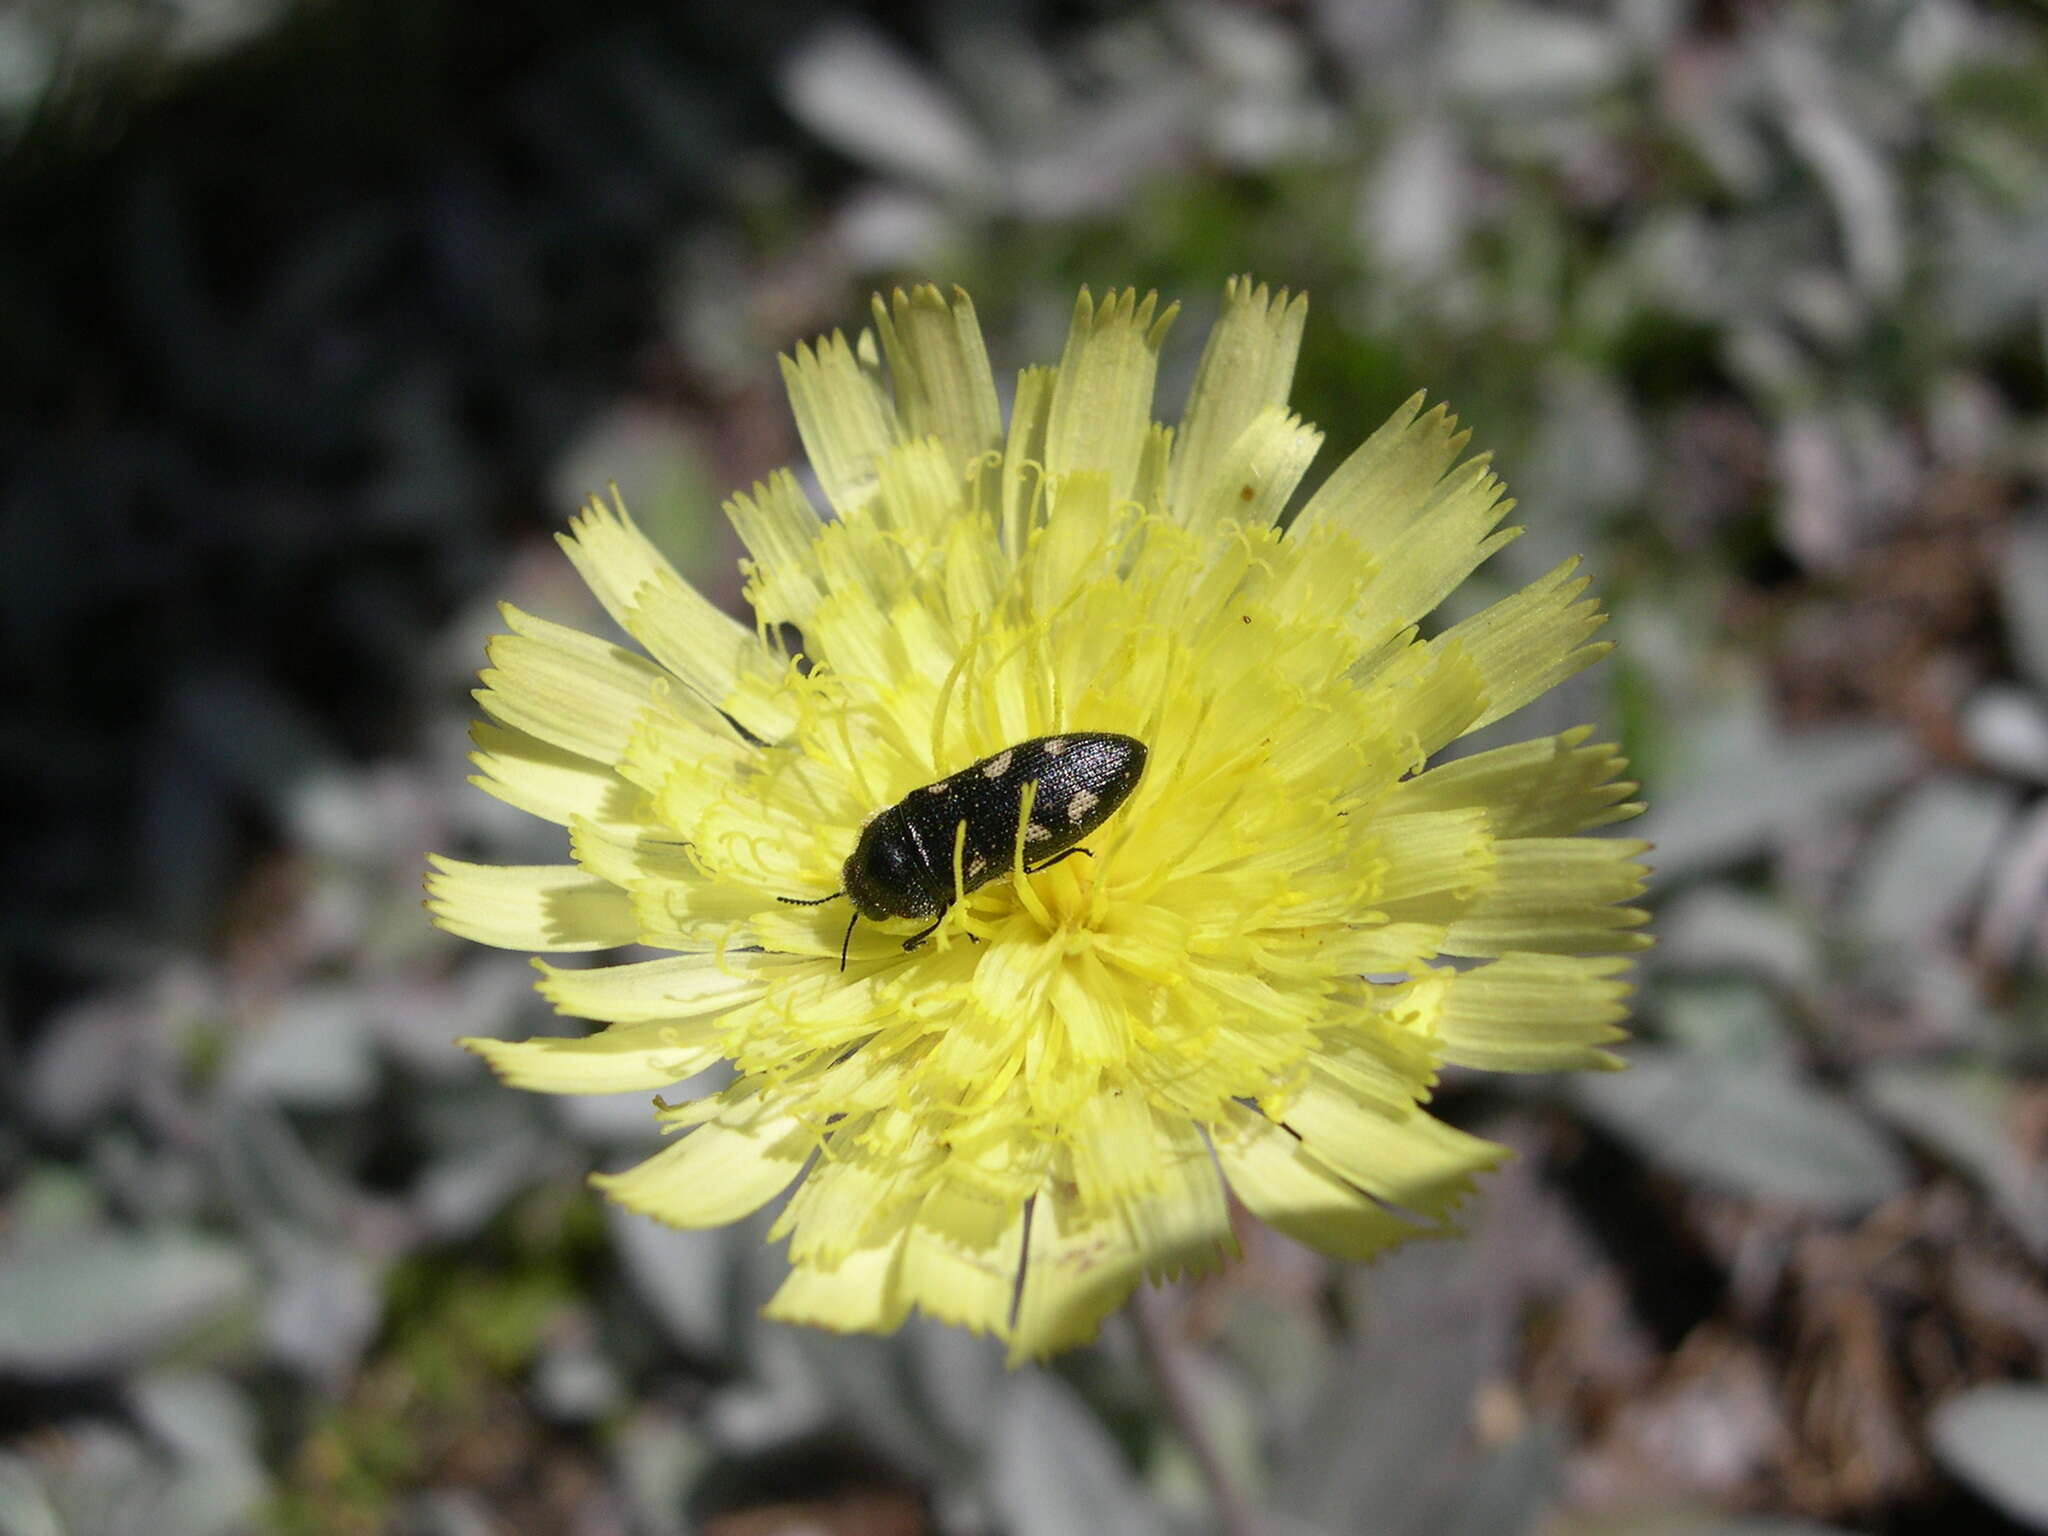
1025	894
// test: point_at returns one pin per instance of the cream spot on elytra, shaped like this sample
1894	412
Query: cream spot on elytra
996	767
1083	802
1034	833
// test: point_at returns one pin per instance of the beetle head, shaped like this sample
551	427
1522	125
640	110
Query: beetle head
887	876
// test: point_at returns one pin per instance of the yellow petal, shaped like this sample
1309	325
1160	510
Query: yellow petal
714	1174
1423	699
1290	1191
1253	479
569	689
1384	487
630	856
962	1258
1181	1226
555	908
682	986
1071	548
1430	852
1422	565
1550	787
780	528
1102	398
1384	1055
623	1059
920	494
1154	461
1382	948
1115	1148
1247	367
842	416
1555	895
1023	489
857	1197
859	1294
1535	1013
675	904
944	388
1078	1268
682	766
1527	644
549	782
1088	1012
717	656
1411	1160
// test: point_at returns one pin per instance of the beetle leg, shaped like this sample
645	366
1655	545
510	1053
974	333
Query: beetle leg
1032	869
919	937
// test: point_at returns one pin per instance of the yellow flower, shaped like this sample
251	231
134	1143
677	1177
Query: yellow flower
1279	938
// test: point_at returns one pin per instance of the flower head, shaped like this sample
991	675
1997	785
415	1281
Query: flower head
1280	936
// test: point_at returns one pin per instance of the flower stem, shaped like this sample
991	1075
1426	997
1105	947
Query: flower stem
1165	1357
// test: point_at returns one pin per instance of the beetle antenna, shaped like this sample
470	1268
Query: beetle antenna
849	933
810	901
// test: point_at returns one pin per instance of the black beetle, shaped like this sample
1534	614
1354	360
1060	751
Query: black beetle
903	865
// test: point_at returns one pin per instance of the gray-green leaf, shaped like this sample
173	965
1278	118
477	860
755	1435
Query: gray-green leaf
1750	1131
1996	1439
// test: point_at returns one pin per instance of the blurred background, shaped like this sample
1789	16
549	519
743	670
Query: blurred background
318	317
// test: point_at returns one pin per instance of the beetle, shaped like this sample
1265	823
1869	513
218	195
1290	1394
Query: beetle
903	865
